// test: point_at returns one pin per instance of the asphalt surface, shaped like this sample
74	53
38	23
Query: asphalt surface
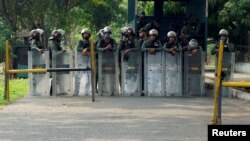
115	118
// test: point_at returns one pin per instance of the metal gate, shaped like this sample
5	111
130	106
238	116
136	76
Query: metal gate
172	83
107	73
39	82
153	74
194	83
82	78
62	82
131	73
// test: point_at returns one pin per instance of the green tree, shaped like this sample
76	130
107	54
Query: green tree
4	34
233	15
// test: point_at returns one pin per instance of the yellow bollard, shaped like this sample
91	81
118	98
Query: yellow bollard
7	67
218	83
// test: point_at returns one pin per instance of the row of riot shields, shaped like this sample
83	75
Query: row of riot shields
159	74
164	74
62	82
174	75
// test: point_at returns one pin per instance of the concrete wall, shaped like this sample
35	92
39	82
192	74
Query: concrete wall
242	67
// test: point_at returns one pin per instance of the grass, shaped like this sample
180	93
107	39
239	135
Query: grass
210	58
18	89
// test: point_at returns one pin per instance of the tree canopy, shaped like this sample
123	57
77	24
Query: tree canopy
72	15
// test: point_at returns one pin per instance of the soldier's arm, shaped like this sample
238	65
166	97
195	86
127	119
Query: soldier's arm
99	48
179	48
160	47
33	46
164	47
135	45
144	46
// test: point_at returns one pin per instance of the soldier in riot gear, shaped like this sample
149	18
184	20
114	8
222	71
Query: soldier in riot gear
84	44
128	42
107	43
82	80
172	46
152	44
153	25
184	37
57	54
124	33
127	55
141	22
192	47
143	36
108	65
192	28
228	58
35	41
228	47
56	38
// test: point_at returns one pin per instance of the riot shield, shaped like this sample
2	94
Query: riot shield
153	74
107	73
172	74
82	78
39	82
194	83
131	73
228	62
62	82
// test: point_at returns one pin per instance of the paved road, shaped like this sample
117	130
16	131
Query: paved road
115	118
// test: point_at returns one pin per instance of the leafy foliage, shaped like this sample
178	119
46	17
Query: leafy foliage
4	34
233	15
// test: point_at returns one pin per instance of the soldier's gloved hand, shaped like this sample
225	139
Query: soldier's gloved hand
109	46
85	52
172	49
41	51
63	49
152	51
126	51
173	52
194	51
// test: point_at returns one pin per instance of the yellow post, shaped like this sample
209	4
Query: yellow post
7	67
92	51
218	83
